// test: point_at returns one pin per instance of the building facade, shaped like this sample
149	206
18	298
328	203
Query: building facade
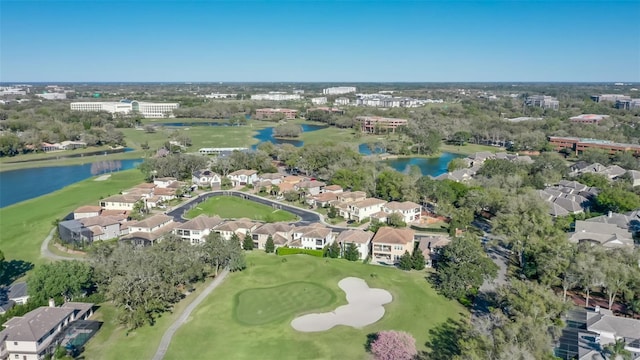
262	114
339	90
126	107
543	101
376	124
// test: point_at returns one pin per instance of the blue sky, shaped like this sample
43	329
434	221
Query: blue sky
355	41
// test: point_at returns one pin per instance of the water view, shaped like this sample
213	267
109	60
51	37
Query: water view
266	134
24	184
428	166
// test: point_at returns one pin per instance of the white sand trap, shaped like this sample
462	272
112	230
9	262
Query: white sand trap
364	308
102	177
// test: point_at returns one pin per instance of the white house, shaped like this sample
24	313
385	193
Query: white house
363	209
120	202
197	229
243	177
240	227
35	334
409	210
313	237
86	211
361	238
164	182
206	178
274	178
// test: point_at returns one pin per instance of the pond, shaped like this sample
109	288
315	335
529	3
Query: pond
266	134
24	184
428	166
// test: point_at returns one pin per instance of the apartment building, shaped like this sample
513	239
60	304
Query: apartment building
341	101
543	101
389	244
262	114
126	107
339	90
376	124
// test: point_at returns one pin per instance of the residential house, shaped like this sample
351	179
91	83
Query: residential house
361	238
431	247
90	229
37	333
281	233
409	210
608	236
314	237
148	231
389	244
601	328
12	295
362	210
322	200
273	178
165	194
206	178
164	182
635	177
196	230
351	196
336	189
240	227
86	211
568	197
120	202
243	177
310	187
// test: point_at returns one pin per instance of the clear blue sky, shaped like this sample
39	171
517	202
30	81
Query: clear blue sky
421	41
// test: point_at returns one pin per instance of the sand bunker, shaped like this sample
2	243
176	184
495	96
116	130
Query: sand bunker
364	308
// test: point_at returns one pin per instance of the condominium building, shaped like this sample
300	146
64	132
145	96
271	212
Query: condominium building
126	107
339	90
276	97
268	113
609	97
543	101
374	124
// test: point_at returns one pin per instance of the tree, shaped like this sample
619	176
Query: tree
139	210
63	280
269	246
417	259
405	261
291	196
617	199
396	220
334	250
216	251
351	252
394	345
332	212
247	242
456	164
236	258
617	350
463	267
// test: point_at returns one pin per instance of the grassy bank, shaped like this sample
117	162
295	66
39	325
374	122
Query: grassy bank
71	161
25	225
213	330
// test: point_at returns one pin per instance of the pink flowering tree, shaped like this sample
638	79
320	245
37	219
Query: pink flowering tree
394	345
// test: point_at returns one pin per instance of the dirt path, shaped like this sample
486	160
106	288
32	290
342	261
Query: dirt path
168	335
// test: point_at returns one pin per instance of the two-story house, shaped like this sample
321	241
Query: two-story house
409	210
310	187
90	229
389	244
361	210
361	238
336	189
273	178
240	227
86	211
196	230
120	202
148	231
206	178
313	237
164	182
243	177
281	233
36	333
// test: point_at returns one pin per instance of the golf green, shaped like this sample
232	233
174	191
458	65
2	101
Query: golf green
278	303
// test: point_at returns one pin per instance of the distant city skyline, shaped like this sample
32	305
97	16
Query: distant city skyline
331	41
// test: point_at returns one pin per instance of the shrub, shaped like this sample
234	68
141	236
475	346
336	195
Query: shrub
290	251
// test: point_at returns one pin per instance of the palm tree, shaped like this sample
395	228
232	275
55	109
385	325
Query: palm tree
616	350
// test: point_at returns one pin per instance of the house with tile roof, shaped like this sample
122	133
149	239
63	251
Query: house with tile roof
360	238
280	232
243	177
389	244
86	211
609	236
240	227
599	328
409	210
120	202
363	209
146	232
196	230
314	237
206	178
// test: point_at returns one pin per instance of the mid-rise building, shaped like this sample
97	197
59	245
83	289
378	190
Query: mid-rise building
342	101
262	114
127	107
53	96
339	90
628	104
276	97
319	100
376	124
609	97
580	144
543	101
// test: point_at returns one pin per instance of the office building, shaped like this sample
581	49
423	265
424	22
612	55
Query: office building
376	124
262	114
543	101
276	96
340	90
127	107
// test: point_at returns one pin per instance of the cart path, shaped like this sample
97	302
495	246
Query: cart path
168	334
46	253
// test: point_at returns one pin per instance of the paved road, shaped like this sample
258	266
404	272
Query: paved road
168	335
46	253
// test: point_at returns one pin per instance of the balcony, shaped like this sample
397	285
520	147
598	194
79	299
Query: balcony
382	248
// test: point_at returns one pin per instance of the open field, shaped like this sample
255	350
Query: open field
25	225
229	207
113	341
213	330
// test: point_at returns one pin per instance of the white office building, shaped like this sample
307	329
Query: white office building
146	109
53	96
276	97
319	100
339	90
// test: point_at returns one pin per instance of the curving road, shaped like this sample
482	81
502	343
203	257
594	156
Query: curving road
46	253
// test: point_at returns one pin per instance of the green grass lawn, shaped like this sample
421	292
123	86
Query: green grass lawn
213	330
24	226
229	207
274	304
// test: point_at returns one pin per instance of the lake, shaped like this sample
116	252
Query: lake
24	184
428	166
266	134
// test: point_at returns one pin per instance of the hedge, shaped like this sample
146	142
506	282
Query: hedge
291	251
418	228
